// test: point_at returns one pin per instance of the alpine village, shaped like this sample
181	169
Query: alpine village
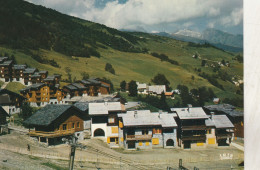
79	95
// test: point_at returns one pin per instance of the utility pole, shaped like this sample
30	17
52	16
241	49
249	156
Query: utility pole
73	145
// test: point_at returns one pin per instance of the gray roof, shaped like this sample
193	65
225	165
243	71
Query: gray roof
5	91
35	75
141	85
158	89
83	106
3	58
146	118
19	67
104	108
224	108
43	72
221	121
79	86
6	63
84	82
46	115
49	78
5	99
190	113
29	70
33	86
93	81
71	87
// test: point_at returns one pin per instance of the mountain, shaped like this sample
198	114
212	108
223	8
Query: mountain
48	40
189	33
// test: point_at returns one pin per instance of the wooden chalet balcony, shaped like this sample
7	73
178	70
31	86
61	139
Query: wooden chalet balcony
52	134
223	136
194	127
194	137
138	137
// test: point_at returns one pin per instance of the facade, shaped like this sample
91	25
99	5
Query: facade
143	129
54	122
220	130
141	88
191	127
11	102
6	70
28	72
156	89
235	116
18	75
104	121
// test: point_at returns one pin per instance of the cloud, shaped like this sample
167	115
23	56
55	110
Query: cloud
147	13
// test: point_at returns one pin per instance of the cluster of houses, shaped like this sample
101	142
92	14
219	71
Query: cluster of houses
143	88
189	127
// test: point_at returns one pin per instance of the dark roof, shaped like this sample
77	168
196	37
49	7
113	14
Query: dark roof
3	59
19	67
103	85
83	106
70	87
33	87
49	78
84	82
46	115
7	63
35	75
5	91
43	72
79	86
93	81
29	70
2	111
5	99
224	108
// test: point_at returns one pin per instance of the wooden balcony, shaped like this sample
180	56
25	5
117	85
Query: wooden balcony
194	137
194	127
52	134
223	136
138	137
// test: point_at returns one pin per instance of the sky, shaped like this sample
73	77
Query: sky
155	15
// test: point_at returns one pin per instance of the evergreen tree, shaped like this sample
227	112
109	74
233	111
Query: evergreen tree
123	85
132	88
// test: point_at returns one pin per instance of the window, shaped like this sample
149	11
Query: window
73	125
64	127
209	131
157	130
145	132
112	139
114	129
77	124
111	120
147	143
168	130
155	141
140	143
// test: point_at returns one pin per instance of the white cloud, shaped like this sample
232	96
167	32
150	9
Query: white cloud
147	13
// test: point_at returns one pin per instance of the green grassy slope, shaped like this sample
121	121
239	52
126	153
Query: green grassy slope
116	49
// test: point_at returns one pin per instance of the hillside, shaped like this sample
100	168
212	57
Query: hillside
85	46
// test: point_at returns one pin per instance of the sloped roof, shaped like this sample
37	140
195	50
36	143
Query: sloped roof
33	87
225	108
146	118
29	70
158	89
71	87
19	67
5	99
141	86
6	63
222	121
2	111
79	86
5	91
104	107
83	106
190	113
46	115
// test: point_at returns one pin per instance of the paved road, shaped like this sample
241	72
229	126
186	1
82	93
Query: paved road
131	104
240	147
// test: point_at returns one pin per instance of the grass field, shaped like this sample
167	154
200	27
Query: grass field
142	67
14	87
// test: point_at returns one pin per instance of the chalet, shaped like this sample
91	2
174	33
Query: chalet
43	75
37	94
83	106
54	122
75	89
191	127
143	129
156	89
35	78
10	101
18	75
169	94
95	86
104	121
219	130
6	70
28	72
141	88
235	116
3	122
51	80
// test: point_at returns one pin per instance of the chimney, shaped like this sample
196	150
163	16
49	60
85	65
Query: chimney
189	107
160	112
211	114
135	113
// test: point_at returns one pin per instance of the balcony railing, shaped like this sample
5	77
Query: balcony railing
138	137
194	137
52	134
194	127
224	136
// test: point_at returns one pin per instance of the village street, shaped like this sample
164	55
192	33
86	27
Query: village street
97	154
